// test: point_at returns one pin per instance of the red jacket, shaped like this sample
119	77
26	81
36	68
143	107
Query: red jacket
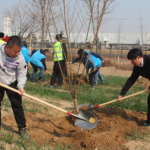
6	38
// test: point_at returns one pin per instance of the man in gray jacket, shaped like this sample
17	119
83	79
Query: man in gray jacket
13	73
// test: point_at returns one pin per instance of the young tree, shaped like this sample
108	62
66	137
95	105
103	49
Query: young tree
68	23
119	31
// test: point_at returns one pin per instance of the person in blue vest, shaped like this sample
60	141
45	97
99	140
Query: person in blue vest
60	57
93	62
24	51
37	61
97	75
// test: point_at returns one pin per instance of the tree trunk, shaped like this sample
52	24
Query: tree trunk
43	22
97	44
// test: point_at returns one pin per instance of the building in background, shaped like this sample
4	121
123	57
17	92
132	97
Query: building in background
7	26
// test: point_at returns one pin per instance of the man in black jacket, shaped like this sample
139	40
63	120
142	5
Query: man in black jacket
141	67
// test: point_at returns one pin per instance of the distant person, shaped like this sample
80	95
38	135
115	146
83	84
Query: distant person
141	67
13	73
6	38
93	63
60	54
37	61
98	74
2	38
24	51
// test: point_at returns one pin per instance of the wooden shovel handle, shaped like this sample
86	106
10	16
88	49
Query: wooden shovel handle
17	91
49	73
123	98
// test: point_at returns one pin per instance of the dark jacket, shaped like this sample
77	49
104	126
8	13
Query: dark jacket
137	71
92	53
64	52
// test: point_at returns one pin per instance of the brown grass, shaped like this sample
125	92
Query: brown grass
124	66
109	62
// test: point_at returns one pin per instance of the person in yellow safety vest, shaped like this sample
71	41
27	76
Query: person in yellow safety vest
60	54
1	38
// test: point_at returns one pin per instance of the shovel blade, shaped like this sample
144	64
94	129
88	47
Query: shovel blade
85	124
88	105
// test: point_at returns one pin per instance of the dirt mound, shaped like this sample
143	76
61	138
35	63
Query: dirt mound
74	79
113	125
143	82
72	118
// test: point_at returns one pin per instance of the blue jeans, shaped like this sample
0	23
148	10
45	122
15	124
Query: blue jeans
35	69
98	75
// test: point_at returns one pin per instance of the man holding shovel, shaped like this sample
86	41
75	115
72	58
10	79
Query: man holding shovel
141	67
13	71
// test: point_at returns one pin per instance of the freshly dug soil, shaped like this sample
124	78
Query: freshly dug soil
75	79
114	124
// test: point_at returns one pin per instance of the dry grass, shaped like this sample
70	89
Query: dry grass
109	62
123	66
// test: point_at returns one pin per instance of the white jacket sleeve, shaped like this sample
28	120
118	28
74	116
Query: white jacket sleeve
21	74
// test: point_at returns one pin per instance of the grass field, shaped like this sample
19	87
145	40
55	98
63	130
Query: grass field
102	93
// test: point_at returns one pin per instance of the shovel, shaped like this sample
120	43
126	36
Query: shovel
84	119
49	73
90	108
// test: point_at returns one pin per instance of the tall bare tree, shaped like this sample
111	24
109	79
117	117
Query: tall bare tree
69	25
40	9
21	23
119	32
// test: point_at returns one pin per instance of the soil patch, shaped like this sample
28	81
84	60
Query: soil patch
143	82
113	125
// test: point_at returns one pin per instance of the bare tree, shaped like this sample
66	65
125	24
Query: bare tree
141	28
21	23
69	25
119	31
40	9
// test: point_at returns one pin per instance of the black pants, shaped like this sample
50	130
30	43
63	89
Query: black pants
56	72
16	101
148	113
92	75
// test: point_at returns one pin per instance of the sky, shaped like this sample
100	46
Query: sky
126	13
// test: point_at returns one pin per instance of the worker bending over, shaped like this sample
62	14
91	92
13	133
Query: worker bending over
37	61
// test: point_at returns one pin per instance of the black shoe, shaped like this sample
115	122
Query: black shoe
41	80
23	133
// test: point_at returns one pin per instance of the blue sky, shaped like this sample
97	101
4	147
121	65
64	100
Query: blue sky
127	12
